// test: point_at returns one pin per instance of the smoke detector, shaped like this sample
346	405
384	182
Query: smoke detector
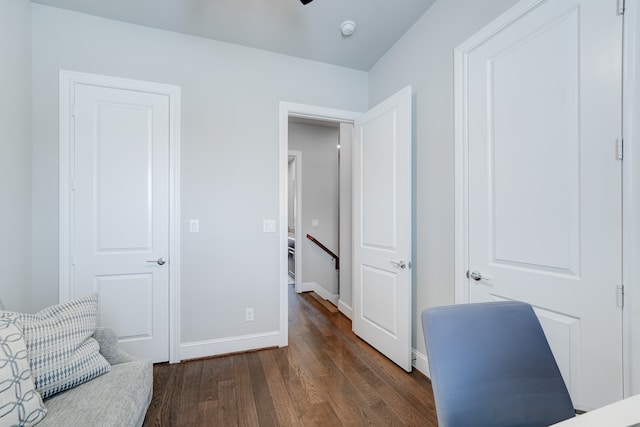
347	28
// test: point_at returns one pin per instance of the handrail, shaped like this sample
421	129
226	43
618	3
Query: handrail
327	250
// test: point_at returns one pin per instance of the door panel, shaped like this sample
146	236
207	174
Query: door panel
123	149
120	213
542	210
544	182
379	305
379	197
382	228
134	318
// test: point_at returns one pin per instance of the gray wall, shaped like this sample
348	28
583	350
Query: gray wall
423	58
229	171
15	153
320	200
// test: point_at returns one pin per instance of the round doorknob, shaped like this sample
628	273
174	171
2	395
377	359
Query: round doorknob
475	275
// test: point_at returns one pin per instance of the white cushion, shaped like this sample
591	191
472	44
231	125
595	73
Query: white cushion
20	403
60	349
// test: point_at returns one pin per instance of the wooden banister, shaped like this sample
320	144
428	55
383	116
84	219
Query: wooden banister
327	250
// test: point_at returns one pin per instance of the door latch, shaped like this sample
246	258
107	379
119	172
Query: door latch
400	264
476	275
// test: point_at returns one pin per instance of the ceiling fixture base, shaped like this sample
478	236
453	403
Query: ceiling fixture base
348	27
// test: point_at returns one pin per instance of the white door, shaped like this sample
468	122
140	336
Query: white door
120	213
543	104
382	228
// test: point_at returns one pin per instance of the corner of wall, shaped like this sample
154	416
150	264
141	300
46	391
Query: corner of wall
16	153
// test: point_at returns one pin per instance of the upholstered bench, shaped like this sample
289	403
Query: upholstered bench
118	398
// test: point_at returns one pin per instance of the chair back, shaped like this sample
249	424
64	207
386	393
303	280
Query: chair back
491	365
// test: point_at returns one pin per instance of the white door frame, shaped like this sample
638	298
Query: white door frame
297	155
67	82
289	109
631	183
631	198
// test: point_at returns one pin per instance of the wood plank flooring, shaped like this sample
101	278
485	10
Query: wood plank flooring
326	376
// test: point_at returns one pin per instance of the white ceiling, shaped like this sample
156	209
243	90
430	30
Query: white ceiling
284	26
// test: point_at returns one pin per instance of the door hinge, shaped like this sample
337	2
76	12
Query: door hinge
620	295
73	184
620	148
621	7
74	110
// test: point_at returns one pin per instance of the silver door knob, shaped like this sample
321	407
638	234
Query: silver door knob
400	264
475	275
159	261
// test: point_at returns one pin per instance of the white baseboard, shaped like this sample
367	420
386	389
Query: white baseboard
308	286
315	287
345	309
198	349
420	362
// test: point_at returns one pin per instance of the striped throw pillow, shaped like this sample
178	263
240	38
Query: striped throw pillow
60	349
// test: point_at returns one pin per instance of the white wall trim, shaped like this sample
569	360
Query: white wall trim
289	109
198	349
631	199
345	309
321	291
67	82
421	363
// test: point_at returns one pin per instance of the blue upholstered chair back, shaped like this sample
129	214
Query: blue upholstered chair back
491	366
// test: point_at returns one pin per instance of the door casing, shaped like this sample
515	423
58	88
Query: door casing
297	155
631	197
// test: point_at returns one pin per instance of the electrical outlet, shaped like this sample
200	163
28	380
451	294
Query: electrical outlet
248	315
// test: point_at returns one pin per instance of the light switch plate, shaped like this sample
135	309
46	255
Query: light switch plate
269	226
194	226
315	222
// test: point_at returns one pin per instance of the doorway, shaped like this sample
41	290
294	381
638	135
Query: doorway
314	209
381	139
333	118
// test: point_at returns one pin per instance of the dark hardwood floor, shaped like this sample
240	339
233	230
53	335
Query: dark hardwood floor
326	376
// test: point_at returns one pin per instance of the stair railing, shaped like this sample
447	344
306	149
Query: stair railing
327	250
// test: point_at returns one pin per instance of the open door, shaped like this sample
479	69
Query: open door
382	228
